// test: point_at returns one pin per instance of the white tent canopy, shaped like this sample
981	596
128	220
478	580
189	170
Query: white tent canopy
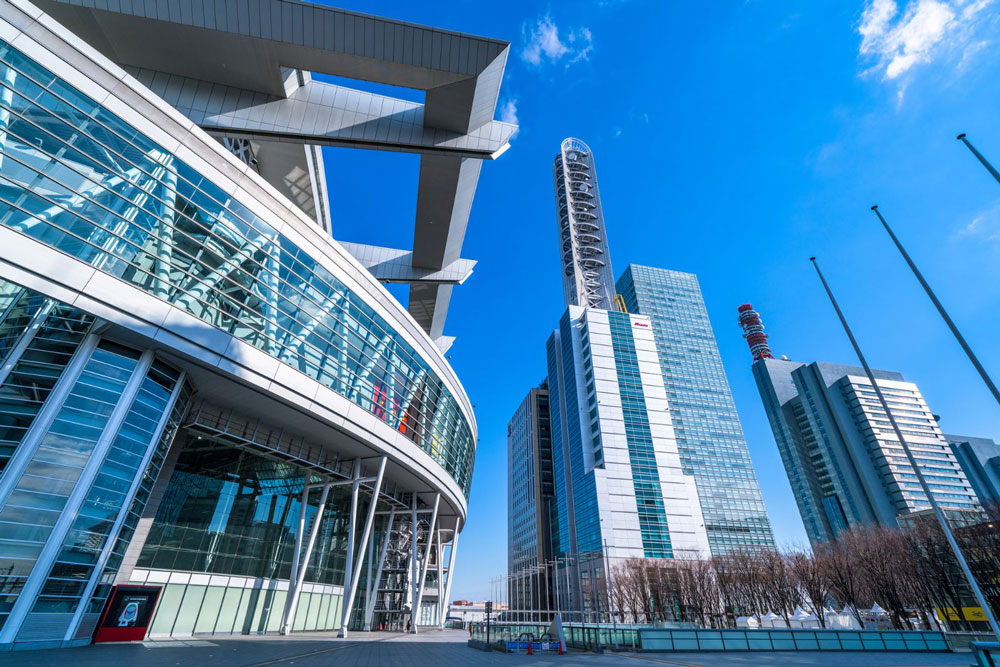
769	619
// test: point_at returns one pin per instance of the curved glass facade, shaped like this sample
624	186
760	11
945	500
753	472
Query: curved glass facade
86	423
79	179
230	511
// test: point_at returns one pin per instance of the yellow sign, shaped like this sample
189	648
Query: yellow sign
974	613
968	613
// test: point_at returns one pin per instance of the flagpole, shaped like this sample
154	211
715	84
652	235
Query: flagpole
963	564
979	156
937	304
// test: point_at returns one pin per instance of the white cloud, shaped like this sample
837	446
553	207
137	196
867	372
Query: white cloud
543	43
984	227
895	42
508	114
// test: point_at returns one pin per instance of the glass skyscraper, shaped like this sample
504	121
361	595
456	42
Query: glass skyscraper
707	429
845	465
529	495
618	484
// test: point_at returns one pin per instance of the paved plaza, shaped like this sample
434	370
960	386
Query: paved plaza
429	649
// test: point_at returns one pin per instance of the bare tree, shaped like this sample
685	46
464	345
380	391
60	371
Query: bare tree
980	543
940	576
888	570
699	594
843	573
780	586
809	572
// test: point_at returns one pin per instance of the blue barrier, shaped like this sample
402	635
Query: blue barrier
987	653
657	639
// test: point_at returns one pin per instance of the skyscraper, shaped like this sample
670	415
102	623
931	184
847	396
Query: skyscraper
618	483
843	460
588	279
709	437
529	494
980	459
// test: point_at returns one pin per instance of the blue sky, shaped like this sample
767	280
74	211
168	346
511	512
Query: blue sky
733	140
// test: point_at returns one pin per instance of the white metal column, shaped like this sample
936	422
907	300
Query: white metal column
413	556
362	547
295	583
440	570
16	352
352	520
296	553
112	537
415	610
451	574
46	415
53	545
370	607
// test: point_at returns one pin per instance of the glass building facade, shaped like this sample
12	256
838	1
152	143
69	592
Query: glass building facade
841	454
79	179
707	428
619	490
200	392
86	423
530	501
642	457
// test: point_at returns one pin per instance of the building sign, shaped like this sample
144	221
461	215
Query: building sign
127	614
641	324
968	613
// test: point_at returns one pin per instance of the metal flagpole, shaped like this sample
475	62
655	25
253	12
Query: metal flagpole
555	580
913	463
979	156
937	304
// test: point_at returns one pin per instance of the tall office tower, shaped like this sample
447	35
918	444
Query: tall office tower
587	276
529	494
707	428
213	416
980	459
843	460
620	491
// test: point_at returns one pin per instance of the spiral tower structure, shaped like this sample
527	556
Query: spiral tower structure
753	331
588	279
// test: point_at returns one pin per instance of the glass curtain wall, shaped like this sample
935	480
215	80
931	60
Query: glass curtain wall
230	511
76	177
84	425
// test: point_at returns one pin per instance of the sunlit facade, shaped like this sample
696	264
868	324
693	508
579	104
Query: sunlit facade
201	392
709	435
619	488
846	466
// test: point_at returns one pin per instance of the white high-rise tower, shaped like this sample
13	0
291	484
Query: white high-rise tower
587	276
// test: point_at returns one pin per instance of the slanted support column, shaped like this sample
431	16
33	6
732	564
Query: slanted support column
352	521
296	591
355	575
451	574
296	555
413	557
370	610
440	568
415	610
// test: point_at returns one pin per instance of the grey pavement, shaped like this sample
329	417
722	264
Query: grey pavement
431	648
